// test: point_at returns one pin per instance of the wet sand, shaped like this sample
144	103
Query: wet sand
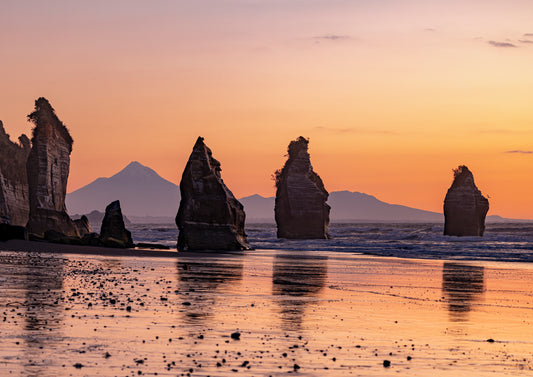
76	313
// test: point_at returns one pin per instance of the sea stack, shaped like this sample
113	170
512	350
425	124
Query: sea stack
113	232
301	211
209	216
48	168
14	196
464	206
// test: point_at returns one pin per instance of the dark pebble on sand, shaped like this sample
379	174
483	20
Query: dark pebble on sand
78	365
296	367
490	340
236	335
186	303
386	363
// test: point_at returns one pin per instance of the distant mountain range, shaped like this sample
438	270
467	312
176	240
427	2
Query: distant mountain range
147	197
141	191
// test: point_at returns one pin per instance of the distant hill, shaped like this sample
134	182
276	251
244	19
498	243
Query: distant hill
141	191
346	206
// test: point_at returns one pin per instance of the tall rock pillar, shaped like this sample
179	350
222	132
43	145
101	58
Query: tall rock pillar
48	168
464	206
209	217
301	211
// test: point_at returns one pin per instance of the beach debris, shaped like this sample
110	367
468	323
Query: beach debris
48	169
490	340
14	204
236	335
386	363
78	365
113	232
209	216
301	211
465	207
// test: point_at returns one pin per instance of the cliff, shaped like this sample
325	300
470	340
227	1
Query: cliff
14	197
209	216
464	206
300	209
48	168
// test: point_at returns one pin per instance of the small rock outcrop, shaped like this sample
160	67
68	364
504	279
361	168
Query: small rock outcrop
47	169
113	232
209	216
83	226
464	206
301	211
14	197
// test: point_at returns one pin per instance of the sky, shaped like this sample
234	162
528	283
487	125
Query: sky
392	94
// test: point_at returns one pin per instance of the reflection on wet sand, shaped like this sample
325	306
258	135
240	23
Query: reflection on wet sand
298	280
462	285
199	282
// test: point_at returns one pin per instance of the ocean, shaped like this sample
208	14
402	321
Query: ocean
506	242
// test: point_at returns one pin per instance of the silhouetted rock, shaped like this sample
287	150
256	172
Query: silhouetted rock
96	217
113	232
83	225
209	217
301	211
48	168
464	206
14	199
57	237
12	232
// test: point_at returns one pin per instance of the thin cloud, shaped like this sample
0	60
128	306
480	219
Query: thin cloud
518	151
332	37
429	29
525	41
501	44
528	35
349	130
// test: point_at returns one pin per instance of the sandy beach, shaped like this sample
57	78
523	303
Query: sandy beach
98	312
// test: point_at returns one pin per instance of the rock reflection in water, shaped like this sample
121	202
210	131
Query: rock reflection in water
200	281
298	281
462	285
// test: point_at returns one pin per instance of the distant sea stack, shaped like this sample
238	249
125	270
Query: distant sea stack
14	196
464	206
48	168
301	211
113	232
209	216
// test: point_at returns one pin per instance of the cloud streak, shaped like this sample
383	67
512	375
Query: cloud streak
525	41
519	151
350	130
528	35
501	44
332	37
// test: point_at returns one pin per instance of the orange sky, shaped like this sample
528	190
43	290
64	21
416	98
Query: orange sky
392	94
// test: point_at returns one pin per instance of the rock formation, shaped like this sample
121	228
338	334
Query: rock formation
464	206
48	168
301	211
14	197
113	232
209	216
83	226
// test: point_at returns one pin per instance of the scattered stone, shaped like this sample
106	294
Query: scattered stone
236	335
386	363
78	365
490	340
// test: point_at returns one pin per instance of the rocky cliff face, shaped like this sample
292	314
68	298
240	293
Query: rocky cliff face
209	216
301	211
464	206
48	168
113	232
14	197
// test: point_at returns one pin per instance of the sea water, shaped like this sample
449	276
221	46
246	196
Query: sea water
511	242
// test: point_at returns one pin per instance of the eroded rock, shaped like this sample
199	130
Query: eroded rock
209	216
113	232
83	226
47	169
14	196
464	206
301	211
